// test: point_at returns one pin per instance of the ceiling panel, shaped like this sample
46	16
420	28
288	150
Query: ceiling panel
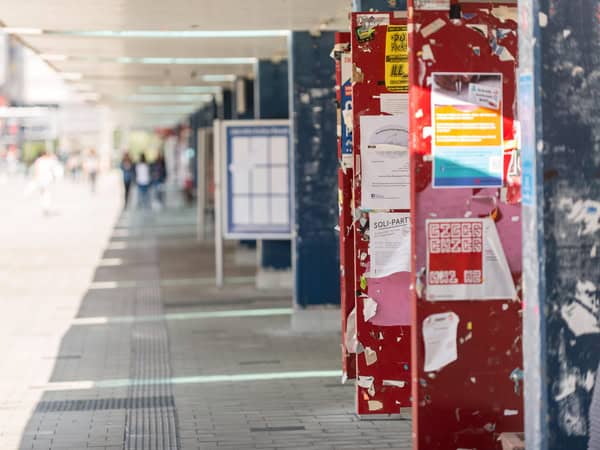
174	14
113	80
175	48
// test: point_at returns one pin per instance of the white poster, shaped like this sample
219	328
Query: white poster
466	261
389	243
439	334
385	162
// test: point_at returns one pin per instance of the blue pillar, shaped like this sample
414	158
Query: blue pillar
271	102
226	109
313	114
193	144
560	115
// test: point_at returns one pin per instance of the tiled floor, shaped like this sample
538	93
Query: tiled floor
116	338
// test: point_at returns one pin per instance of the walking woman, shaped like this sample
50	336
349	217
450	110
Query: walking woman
143	180
128	171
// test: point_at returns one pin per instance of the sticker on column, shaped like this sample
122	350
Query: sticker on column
467	136
466	261
346	110
367	23
385	164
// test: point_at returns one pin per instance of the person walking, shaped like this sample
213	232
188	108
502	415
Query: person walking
46	170
128	171
143	179
159	176
91	166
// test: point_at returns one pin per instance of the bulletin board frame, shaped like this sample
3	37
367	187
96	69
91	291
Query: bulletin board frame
234	191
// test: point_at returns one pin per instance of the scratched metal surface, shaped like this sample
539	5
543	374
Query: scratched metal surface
346	235
316	250
561	51
465	404
391	343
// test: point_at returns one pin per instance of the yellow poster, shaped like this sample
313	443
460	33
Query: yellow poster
396	58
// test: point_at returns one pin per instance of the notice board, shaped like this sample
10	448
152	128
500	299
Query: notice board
466	249
381	211
255	157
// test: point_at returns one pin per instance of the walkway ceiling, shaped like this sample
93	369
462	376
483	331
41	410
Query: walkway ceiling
119	67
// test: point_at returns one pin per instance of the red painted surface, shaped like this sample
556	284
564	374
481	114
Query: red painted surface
467	403
345	219
390	339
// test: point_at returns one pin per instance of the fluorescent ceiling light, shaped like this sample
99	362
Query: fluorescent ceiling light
18	30
171	109
182	61
218	78
71	75
189	34
165	60
53	57
179	89
161	98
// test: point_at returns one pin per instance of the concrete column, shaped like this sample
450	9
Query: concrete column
271	102
559	109
315	252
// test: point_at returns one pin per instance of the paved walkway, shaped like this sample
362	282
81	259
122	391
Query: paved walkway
116	338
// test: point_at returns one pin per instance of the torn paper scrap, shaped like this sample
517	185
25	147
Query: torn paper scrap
427	53
369	308
395	383
394	104
434	26
350	340
370	356
504	13
375	405
365	382
439	334
580	319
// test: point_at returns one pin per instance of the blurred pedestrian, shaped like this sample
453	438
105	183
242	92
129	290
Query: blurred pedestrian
128	171
91	166
46	170
159	176
143	179
73	165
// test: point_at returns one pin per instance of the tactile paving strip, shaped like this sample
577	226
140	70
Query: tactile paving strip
100	404
155	427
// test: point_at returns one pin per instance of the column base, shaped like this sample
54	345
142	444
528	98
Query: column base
316	320
274	279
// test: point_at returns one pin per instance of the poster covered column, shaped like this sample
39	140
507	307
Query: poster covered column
467	355
381	211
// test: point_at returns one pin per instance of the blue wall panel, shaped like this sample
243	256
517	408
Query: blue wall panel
313	113
272	102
